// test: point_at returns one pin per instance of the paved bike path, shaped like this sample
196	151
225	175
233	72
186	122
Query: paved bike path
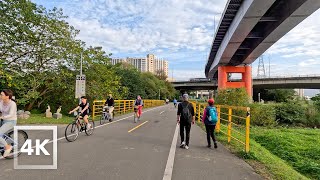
113	153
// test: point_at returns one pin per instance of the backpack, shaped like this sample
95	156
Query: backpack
186	115
212	115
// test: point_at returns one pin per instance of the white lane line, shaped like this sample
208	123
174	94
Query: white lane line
169	167
162	112
95	128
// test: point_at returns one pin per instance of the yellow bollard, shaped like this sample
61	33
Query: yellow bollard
229	124
93	109
248	131
219	121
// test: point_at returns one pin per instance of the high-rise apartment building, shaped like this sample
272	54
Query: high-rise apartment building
150	59
148	64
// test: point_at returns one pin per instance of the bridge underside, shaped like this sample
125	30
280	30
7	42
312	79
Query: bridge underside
248	28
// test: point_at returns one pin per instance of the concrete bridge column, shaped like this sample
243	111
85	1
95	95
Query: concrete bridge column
246	78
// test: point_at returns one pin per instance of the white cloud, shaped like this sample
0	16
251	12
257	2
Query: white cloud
144	25
302	41
182	32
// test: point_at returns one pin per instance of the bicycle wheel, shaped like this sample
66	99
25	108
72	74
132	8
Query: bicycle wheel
102	119
135	117
90	131
72	132
22	137
110	117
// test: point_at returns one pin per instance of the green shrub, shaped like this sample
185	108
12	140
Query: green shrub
290	113
312	116
263	115
233	97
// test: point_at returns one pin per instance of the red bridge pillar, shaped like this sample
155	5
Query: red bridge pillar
246	78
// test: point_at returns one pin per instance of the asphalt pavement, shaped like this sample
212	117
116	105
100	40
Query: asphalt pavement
122	151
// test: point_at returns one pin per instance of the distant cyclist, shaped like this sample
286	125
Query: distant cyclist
9	116
110	105
138	104
84	110
175	102
167	101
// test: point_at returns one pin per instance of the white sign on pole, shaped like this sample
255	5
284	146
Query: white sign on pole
80	86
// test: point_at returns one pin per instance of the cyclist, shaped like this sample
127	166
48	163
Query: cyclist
167	101
109	104
9	117
175	102
138	103
84	110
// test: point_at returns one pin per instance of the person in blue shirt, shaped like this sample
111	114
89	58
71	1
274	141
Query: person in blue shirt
175	102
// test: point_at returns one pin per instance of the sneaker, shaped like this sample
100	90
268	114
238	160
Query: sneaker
183	144
7	152
215	145
209	146
88	126
186	147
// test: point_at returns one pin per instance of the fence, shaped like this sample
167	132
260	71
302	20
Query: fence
122	106
233	121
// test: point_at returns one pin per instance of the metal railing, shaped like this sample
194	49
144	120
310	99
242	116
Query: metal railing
122	106
233	121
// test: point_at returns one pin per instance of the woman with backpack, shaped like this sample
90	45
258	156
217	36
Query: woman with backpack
210	119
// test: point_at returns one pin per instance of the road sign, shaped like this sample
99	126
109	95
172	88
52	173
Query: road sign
80	86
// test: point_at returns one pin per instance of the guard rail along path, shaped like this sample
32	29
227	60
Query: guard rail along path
233	121
122	106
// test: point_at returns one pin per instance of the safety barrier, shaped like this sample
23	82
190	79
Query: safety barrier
122	106
232	121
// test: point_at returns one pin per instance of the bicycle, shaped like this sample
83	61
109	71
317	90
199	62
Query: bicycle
136	109
22	135
105	115
76	127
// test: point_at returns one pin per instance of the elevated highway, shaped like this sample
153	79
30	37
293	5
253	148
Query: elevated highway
298	82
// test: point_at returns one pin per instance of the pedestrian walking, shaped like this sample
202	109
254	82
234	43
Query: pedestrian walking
210	119
185	117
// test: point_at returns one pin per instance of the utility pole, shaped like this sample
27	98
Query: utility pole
81	65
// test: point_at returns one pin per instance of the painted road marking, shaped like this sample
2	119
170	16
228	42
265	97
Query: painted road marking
59	139
137	127
162	112
169	167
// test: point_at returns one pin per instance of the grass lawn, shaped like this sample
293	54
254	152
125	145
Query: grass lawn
267	164
41	119
300	148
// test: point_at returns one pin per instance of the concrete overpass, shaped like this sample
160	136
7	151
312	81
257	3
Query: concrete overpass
249	27
299	82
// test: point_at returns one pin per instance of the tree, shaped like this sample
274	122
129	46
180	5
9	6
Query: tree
37	43
131	78
161	74
276	95
316	101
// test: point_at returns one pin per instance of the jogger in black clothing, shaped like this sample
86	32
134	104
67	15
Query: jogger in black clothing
185	116
186	126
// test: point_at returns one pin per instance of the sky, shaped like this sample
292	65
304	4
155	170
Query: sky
181	31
